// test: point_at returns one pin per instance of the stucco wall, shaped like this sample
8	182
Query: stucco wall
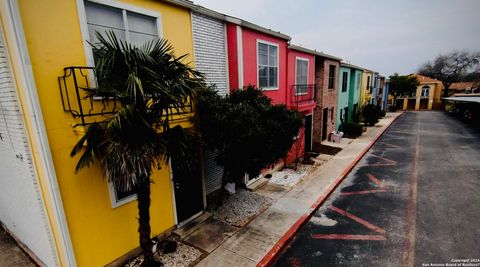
306	107
250	72
99	232
342	96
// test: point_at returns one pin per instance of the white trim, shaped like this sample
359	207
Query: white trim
226	59
127	7
278	65
172	184
113	197
125	24
296	67
249	182
82	16
240	56
34	114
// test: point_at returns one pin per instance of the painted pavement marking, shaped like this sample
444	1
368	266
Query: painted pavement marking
376	181
387	162
350	237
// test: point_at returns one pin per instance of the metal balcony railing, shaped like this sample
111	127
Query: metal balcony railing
302	94
79	98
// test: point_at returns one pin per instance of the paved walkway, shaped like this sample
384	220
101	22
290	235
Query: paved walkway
411	201
10	254
252	243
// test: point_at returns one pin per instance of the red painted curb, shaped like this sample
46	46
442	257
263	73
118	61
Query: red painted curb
268	259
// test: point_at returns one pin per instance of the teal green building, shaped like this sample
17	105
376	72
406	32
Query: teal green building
349	88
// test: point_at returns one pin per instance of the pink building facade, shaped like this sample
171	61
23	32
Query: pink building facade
286	74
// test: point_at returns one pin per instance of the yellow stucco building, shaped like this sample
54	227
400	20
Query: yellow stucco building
426	97
366	89
89	223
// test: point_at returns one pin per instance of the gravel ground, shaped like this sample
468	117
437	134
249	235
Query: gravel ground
182	257
238	209
289	177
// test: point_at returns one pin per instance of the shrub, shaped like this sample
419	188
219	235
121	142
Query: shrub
352	130
392	108
370	114
382	113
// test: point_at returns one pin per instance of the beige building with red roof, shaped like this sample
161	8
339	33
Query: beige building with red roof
426	97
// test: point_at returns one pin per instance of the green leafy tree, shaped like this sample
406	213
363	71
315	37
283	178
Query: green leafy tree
450	68
246	129
402	85
150	83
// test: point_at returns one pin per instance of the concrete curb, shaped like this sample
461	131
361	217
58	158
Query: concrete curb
272	255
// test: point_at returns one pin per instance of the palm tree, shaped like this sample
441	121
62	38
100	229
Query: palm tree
150	83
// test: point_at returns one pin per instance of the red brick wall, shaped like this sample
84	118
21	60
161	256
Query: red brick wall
326	98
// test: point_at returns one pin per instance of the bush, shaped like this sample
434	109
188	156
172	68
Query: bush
392	108
382	113
352	130
370	114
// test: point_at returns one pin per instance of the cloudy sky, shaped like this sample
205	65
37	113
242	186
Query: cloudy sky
384	35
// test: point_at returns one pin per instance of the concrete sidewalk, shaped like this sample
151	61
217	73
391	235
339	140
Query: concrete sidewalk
11	254
264	235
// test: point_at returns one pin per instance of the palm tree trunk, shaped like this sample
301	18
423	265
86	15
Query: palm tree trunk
143	197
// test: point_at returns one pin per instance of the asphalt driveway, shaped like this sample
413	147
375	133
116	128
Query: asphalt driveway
413	200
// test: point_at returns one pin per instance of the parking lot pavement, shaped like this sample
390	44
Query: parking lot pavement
411	201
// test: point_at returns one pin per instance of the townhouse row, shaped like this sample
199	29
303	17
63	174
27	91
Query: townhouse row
65	218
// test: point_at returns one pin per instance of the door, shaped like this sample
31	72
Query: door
308	133
188	187
324	123
346	115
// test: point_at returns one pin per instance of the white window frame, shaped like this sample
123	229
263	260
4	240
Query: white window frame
427	89
113	196
259	41
82	15
296	68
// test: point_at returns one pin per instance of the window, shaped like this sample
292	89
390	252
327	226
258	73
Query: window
344	81
133	27
301	79
331	77
119	197
331	113
129	26
267	65
345	116
425	91
359	81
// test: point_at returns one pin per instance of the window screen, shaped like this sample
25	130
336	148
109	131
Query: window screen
302	76
135	28
267	66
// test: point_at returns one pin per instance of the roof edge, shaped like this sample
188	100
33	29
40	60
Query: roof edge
314	52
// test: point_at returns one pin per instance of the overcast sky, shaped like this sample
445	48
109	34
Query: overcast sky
383	35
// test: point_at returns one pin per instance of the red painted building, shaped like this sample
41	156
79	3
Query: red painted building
262	57
257	56
301	95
